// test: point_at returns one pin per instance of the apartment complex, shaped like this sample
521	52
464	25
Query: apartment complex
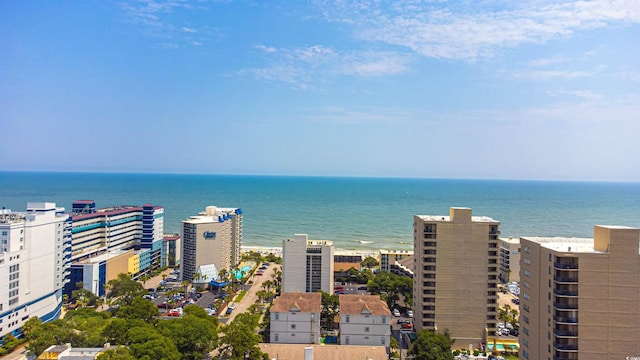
509	270
389	257
307	265
295	318
211	237
36	252
100	236
364	320
456	275
579	297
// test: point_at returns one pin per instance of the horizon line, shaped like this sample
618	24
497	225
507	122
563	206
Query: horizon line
320	176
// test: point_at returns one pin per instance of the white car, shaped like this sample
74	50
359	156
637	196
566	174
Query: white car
396	312
409	313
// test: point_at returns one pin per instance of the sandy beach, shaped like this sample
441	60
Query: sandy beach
278	251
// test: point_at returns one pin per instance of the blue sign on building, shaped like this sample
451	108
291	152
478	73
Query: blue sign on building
209	235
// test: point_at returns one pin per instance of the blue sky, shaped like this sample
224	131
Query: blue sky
437	89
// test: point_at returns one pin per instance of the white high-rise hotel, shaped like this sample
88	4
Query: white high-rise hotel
34	259
211	237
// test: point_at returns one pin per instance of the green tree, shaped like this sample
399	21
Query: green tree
139	308
124	289
195	334
120	353
116	331
147	344
51	333
390	286
370	262
240	338
431	346
330	309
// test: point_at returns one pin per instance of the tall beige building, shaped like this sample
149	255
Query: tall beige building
509	270
456	275
580	297
211	237
307	265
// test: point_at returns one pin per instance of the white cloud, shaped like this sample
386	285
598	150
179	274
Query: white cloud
473	30
315	64
189	30
552	74
267	49
548	61
581	94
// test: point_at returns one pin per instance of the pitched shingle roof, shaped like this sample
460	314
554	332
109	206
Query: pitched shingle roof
303	302
362	304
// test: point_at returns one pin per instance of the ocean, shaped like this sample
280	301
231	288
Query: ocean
363	214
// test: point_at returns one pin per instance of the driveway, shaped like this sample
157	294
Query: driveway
250	297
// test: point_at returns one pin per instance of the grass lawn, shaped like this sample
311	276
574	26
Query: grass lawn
240	296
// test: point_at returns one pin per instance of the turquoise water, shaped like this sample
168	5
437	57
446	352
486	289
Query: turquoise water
356	213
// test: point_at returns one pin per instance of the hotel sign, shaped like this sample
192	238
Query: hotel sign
209	235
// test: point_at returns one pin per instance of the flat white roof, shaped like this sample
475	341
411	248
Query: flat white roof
447	218
562	244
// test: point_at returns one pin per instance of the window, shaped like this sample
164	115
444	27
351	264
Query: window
526	273
277	317
527	250
276	337
293	326
366	329
527	261
382	340
526	296
347	318
384	320
526	284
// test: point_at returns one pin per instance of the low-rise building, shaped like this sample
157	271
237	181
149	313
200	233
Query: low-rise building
389	257
295	318
403	267
364	320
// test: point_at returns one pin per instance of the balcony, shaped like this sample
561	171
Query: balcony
565	320
565	279
565	333
565	306
565	266
569	293
565	347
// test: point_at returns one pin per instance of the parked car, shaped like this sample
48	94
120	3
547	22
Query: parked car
406	326
362	288
410	313
229	311
514	332
403	321
259	273
516	301
232	306
396	312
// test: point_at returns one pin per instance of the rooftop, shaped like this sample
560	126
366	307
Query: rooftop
351	304
441	218
303	302
562	244
394	252
342	352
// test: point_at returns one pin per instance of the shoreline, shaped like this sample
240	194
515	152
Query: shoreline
277	250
